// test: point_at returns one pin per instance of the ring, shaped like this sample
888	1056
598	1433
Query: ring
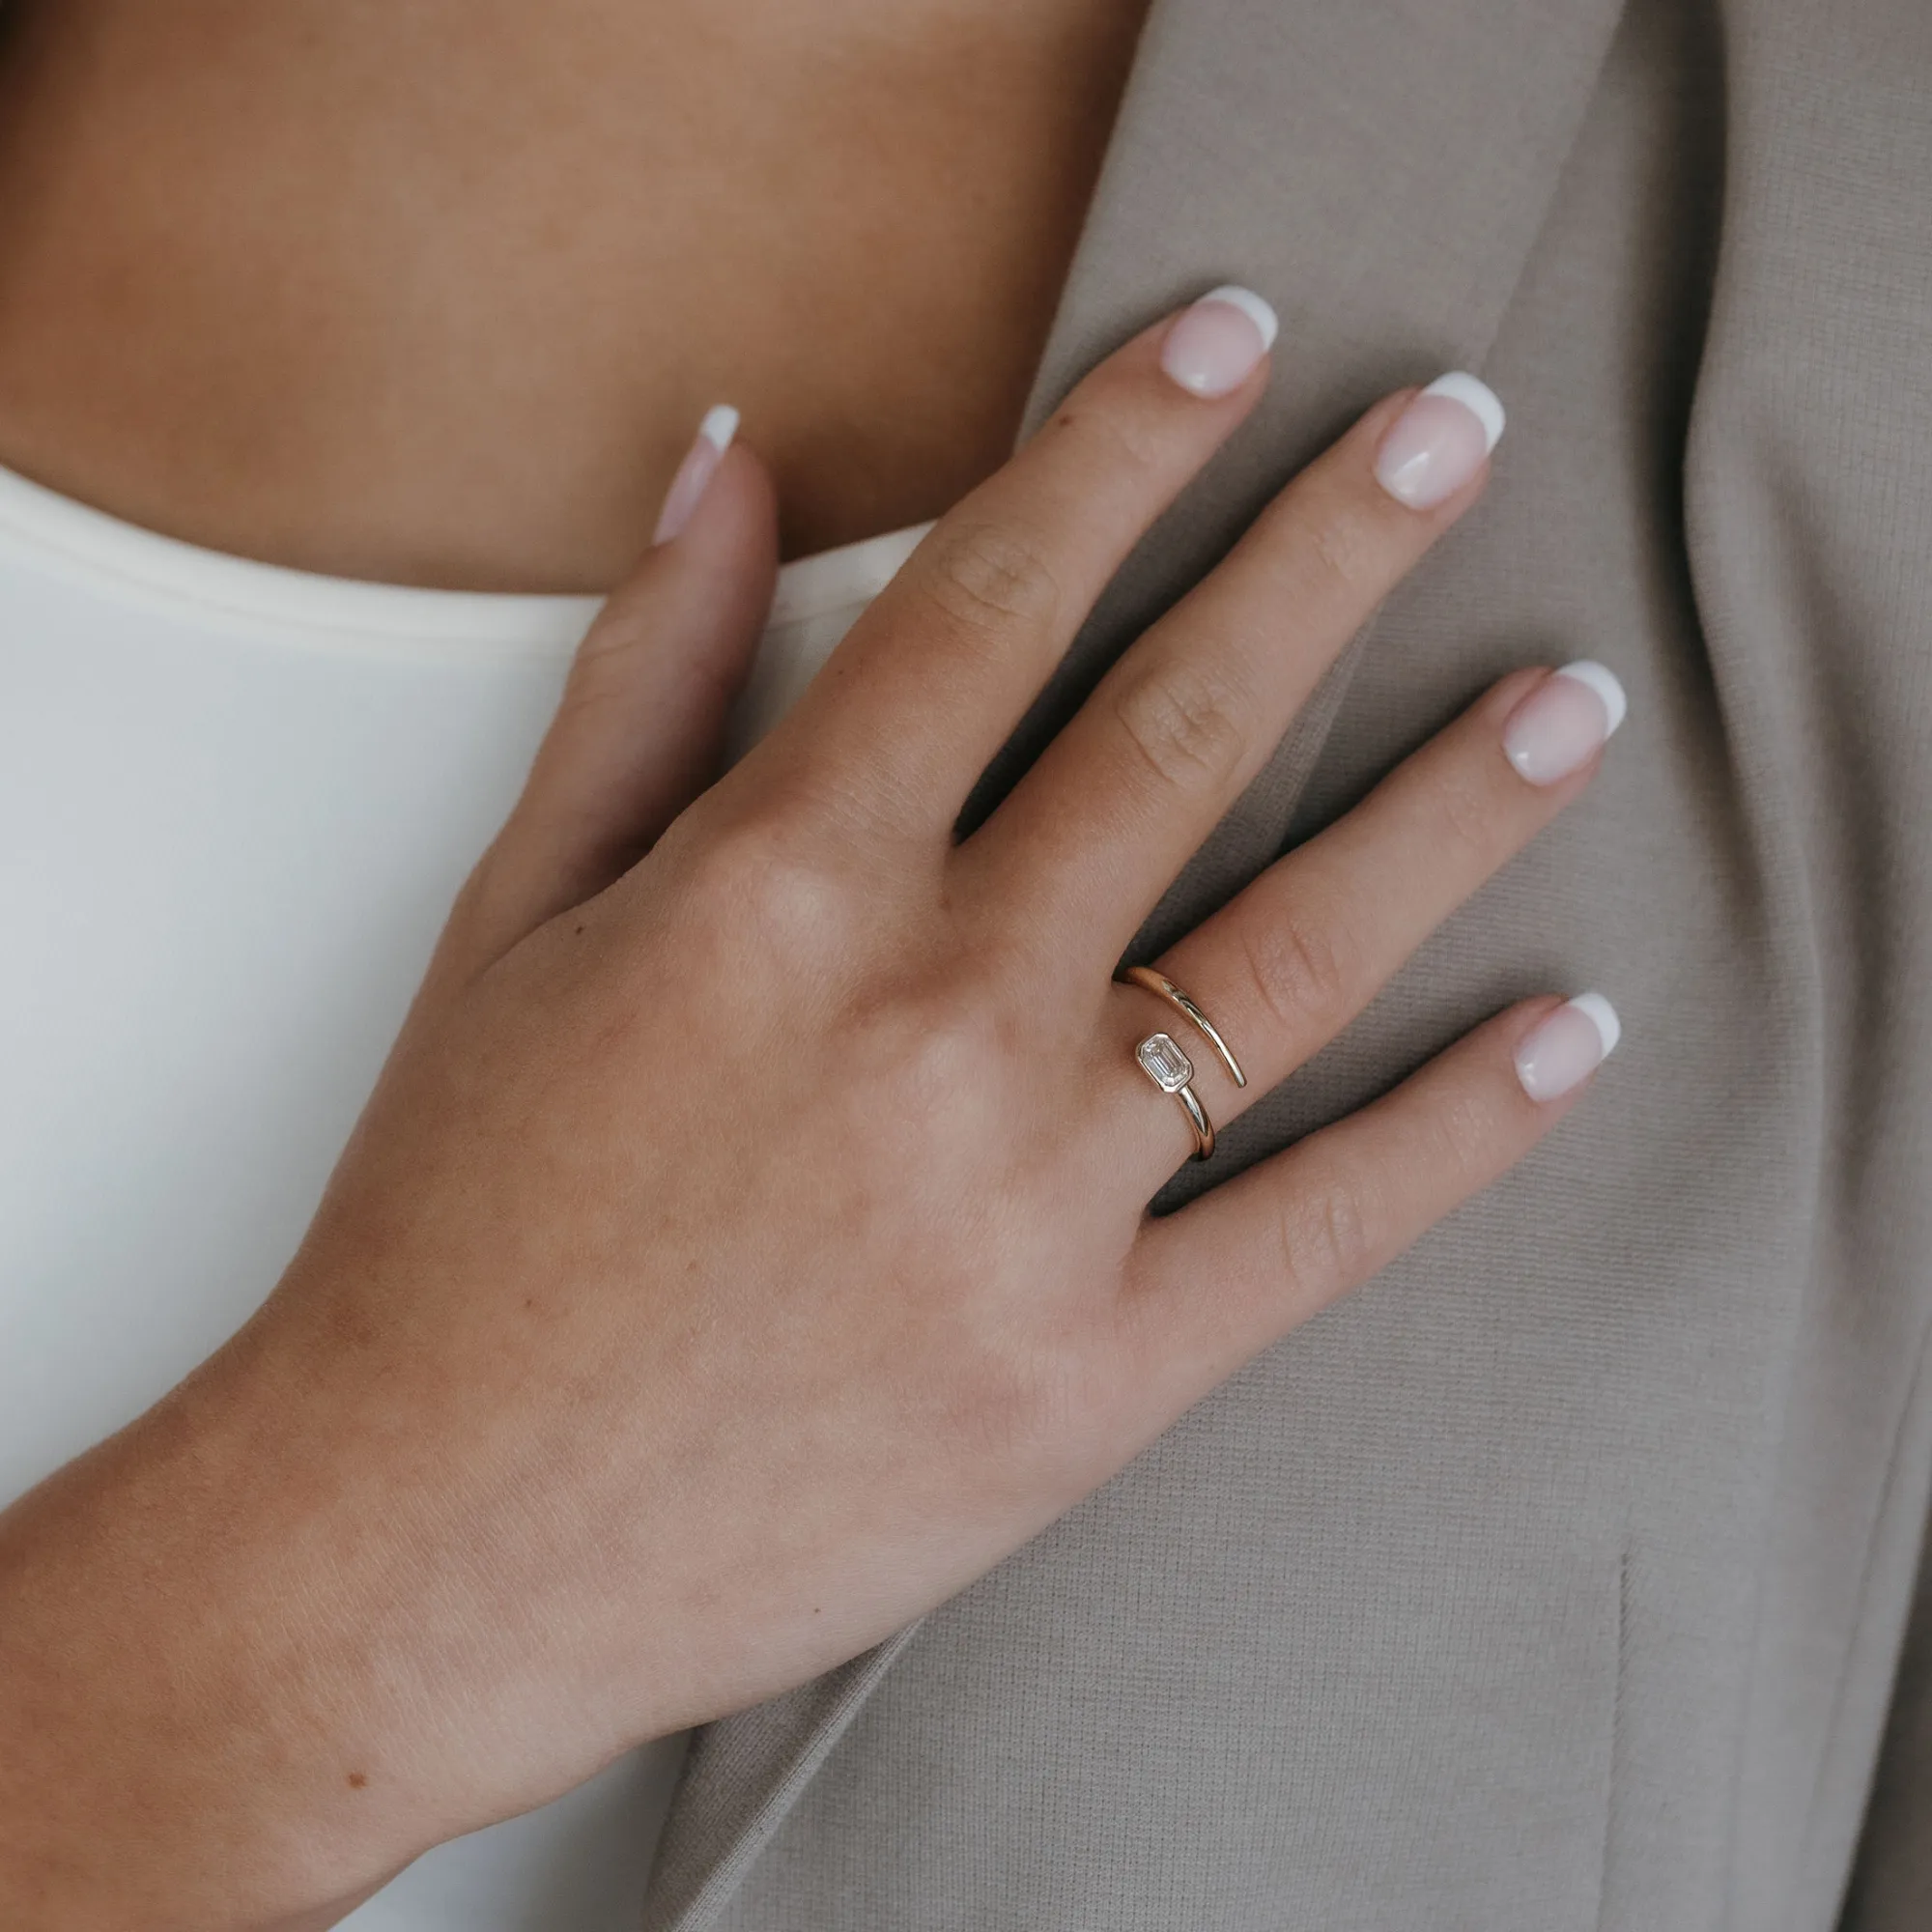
1170	1070
1164	989
1163	1061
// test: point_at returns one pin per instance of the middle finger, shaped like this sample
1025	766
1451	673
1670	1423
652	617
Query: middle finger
1095	834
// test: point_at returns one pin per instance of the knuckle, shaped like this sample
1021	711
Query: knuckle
1338	548
950	1047
1305	964
1466	822
1186	722
1330	1237
761	875
1129	439
1474	1138
1011	1397
989	578
1029	1398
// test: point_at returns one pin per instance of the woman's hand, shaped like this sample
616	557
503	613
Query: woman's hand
746	1245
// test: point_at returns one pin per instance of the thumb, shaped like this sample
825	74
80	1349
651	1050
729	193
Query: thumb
641	725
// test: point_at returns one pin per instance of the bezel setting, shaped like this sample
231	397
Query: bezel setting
1164	1062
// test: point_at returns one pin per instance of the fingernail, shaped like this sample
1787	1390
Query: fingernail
694	473
1440	441
1575	1039
1564	723
1213	345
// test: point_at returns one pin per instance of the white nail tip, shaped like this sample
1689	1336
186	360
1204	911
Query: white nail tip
1604	681
1478	398
718	427
1253	306
1602	1016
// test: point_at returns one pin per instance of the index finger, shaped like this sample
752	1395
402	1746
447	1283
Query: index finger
932	679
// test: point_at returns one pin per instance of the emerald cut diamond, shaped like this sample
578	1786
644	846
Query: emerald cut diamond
1167	1066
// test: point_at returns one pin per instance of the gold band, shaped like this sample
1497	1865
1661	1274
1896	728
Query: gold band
1161	1060
1197	1118
1164	989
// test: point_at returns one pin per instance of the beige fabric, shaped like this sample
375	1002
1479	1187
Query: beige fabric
1557	1582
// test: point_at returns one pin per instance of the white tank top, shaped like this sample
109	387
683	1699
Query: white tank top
235	804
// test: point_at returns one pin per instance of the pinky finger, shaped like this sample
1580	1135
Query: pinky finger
1215	1284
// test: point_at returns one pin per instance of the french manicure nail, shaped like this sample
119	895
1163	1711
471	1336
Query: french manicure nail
1565	721
1571	1043
1213	345
694	473
1440	441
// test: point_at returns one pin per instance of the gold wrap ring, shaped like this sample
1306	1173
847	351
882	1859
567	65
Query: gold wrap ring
1161	1059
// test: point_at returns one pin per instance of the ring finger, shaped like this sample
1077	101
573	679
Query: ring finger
1290	962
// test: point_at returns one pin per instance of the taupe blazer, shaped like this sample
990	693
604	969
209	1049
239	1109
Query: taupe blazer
1558	1582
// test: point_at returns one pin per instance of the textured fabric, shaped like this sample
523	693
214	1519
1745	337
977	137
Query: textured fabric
1893	1886
1556	1582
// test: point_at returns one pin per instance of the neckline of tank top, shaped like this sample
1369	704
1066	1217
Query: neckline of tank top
46	530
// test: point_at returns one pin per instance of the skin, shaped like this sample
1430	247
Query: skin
436	291
746	1244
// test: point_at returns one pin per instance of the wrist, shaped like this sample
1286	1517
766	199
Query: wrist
185	1719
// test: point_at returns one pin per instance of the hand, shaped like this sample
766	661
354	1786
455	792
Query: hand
746	1245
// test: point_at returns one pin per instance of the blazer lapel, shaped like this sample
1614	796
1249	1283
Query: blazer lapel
1378	169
